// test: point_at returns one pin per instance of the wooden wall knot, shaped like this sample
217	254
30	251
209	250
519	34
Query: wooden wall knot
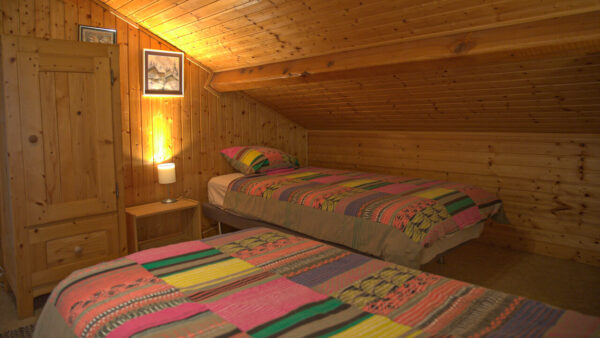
562	207
463	46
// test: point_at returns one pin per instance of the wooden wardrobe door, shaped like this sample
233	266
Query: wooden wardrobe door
67	131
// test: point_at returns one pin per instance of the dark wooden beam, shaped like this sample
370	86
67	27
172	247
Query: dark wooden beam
559	33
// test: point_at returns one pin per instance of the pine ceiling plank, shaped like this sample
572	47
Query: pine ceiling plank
221	16
317	40
582	27
226	34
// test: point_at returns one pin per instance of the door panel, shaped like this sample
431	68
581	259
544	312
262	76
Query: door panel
67	136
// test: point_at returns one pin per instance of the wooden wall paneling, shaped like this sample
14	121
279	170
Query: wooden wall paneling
206	135
42	18
177	116
27	17
196	132
10	19
110	20
211	124
548	182
57	19
189	176
218	141
229	123
96	15
84	10
71	19
158	117
147	104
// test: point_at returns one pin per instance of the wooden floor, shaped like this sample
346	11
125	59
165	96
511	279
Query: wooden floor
554	281
558	282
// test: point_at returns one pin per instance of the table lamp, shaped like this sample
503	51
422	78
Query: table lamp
166	175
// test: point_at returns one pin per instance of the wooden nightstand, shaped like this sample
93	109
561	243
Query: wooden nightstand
185	213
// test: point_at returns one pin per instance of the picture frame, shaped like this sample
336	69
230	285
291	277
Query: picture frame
163	73
97	35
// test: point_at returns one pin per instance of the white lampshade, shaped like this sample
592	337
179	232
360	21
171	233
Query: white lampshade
166	173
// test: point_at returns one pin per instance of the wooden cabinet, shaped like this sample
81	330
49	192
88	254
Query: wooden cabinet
60	161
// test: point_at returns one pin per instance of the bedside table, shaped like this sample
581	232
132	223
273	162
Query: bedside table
140	217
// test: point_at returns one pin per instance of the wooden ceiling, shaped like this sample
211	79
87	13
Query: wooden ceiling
551	94
512	65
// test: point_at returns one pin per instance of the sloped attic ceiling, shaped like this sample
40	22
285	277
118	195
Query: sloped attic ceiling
472	65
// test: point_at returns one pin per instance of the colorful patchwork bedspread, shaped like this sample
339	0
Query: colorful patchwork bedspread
262	283
385	216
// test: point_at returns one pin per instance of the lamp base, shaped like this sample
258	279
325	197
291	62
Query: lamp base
169	200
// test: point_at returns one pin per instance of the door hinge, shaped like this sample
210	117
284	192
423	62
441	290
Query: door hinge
112	77
117	190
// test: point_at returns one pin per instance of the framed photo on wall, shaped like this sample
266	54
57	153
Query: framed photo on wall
97	35
163	73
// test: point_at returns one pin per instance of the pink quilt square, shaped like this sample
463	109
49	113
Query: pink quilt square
255	306
467	217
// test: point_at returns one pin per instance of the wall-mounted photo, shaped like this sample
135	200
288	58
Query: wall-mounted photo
97	34
163	73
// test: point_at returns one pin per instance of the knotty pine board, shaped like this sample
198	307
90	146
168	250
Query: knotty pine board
231	34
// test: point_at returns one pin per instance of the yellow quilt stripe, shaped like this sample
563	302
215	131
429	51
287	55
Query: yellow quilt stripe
376	326
249	156
206	274
300	175
433	193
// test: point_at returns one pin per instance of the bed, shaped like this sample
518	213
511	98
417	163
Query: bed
404	220
260	282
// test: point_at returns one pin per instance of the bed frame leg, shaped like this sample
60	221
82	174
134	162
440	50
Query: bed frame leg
441	260
219	225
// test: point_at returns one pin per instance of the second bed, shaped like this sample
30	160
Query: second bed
405	220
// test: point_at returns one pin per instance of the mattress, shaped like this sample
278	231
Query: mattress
395	218
217	188
260	282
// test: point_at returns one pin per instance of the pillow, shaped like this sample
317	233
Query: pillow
244	159
276	159
253	159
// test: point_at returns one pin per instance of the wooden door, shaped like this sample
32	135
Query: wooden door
66	130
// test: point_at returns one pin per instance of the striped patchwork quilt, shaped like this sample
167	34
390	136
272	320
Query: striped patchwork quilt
259	282
386	216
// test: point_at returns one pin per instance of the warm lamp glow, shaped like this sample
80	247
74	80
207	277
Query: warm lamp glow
166	173
161	134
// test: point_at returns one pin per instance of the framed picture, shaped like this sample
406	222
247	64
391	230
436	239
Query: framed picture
97	35
163	73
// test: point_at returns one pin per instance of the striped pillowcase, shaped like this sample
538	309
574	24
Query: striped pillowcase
277	159
253	159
